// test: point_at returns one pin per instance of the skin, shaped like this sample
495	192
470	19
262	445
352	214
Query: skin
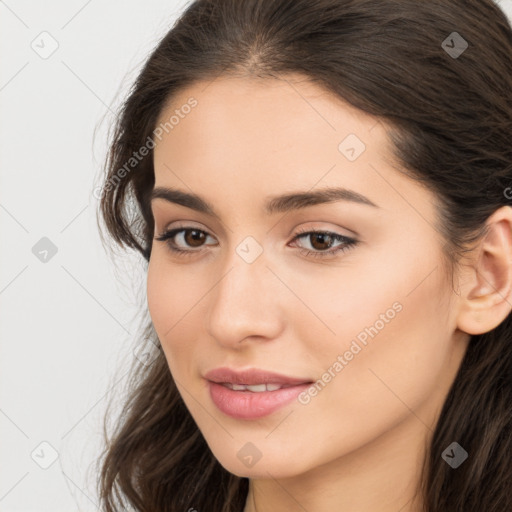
358	444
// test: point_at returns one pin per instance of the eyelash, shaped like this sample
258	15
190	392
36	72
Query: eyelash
348	242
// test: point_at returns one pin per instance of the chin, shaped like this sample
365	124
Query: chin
273	465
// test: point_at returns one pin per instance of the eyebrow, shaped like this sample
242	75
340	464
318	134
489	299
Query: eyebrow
275	204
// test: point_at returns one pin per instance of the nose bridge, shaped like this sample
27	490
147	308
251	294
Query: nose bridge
243	302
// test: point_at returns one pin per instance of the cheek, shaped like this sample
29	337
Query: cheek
173	300
161	299
393	339
395	299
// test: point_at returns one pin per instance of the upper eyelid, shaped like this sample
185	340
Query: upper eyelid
351	234
299	231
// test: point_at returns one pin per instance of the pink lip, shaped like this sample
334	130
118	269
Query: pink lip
251	376
247	404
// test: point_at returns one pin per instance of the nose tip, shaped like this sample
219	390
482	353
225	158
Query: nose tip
244	304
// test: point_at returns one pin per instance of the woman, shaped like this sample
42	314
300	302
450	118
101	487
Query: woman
320	189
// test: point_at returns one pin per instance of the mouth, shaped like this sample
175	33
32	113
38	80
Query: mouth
253	393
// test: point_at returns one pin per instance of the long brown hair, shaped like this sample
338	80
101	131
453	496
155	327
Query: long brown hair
439	73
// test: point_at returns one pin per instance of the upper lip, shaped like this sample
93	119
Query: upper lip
252	376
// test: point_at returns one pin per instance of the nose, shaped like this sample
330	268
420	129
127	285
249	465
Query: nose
246	303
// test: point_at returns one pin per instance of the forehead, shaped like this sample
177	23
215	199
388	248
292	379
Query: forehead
292	103
247	139
247	125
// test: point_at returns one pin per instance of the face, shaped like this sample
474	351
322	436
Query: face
347	296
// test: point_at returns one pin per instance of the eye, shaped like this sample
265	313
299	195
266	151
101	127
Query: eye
189	235
321	239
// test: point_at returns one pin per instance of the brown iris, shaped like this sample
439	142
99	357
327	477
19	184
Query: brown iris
327	239
194	237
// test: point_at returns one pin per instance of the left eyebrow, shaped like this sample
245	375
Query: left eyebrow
298	200
275	204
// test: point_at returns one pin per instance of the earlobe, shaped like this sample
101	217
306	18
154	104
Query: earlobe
486	295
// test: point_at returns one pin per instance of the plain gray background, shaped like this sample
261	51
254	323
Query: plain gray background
68	318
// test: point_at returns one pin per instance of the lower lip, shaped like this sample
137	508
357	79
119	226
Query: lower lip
248	405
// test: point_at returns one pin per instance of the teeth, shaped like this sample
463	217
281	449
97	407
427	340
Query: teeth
255	388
